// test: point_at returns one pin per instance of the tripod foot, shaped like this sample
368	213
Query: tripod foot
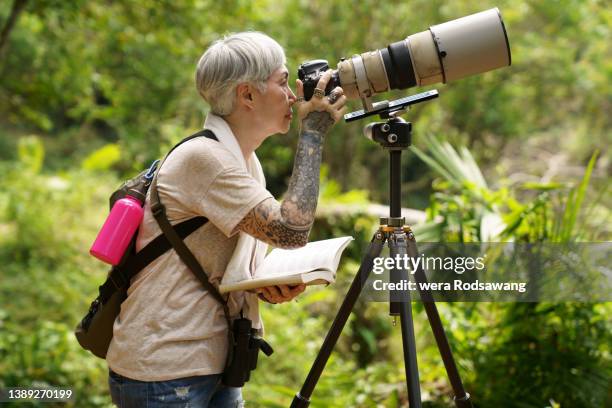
299	401
463	402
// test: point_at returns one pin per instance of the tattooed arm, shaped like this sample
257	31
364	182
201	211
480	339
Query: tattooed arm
287	224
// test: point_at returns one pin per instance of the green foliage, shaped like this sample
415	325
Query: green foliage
564	228
567	359
296	337
31	154
47	355
106	87
47	221
45	268
463	208
103	158
115	73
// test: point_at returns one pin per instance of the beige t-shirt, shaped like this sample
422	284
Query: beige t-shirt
170	326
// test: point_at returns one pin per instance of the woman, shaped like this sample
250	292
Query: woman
170	340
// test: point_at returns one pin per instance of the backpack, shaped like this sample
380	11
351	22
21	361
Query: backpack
95	330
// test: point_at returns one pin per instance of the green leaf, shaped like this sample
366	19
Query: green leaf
530	185
433	164
103	158
31	153
574	203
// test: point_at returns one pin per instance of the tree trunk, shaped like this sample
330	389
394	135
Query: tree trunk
18	6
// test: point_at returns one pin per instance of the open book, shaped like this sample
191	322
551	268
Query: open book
314	264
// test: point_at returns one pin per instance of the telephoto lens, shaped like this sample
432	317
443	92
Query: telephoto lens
445	52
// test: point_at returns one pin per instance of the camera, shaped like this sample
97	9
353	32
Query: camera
466	46
310	72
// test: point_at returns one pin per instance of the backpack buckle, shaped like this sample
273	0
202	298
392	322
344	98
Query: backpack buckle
158	209
151	171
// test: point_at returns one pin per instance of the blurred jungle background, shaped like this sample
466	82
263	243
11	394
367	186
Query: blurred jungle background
92	91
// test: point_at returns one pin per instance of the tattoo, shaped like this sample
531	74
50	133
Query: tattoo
300	203
287	225
265	223
318	121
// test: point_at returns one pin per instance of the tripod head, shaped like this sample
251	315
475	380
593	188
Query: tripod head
395	133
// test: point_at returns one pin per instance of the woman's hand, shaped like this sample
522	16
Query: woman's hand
320	112
280	293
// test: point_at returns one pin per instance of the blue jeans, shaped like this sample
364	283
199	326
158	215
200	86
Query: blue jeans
204	391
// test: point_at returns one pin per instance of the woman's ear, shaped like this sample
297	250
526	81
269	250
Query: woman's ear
244	95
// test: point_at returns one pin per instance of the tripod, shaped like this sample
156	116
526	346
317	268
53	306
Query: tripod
395	136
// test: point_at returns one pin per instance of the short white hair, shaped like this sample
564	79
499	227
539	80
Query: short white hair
237	58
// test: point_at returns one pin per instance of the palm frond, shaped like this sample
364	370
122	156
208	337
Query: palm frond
565	227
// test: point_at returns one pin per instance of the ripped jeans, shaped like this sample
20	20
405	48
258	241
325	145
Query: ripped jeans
205	391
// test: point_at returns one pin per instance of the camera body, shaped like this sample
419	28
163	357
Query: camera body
310	72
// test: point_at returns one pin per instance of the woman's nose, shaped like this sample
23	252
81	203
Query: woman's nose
292	97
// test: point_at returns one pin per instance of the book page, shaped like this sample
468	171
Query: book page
309	278
315	255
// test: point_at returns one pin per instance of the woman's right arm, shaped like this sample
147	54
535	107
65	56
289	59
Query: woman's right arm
288	224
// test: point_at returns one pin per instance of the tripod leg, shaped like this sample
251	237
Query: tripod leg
302	398
398	246
462	398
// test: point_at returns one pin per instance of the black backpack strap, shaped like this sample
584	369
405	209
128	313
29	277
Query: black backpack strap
121	275
159	212
204	132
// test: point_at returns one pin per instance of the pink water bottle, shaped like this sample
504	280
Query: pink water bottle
119	228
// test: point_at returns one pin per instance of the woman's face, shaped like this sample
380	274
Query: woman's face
273	107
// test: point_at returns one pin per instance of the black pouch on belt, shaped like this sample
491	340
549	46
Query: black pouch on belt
244	349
